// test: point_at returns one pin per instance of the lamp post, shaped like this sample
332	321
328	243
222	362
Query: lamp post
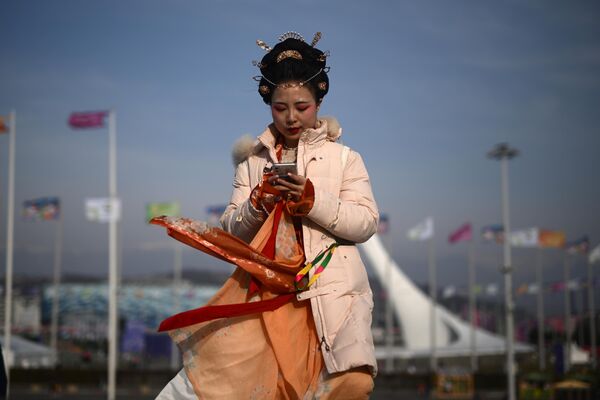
503	153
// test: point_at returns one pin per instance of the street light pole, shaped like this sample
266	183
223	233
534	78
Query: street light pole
503	153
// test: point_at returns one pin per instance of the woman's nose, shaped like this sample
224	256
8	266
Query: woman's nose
291	116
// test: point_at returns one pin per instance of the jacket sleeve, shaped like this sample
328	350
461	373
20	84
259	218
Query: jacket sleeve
352	215
240	218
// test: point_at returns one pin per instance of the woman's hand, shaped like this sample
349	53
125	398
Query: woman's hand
292	188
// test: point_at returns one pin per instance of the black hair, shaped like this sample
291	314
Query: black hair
310	70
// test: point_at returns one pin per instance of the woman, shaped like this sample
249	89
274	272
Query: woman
318	345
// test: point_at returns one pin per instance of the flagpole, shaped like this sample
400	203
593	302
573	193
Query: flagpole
112	257
9	247
567	277
580	301
472	306
389	339
540	312
432	313
592	309
56	285
177	269
503	153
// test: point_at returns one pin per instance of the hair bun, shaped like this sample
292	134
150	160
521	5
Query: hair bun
293	60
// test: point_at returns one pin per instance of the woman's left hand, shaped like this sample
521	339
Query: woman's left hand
291	189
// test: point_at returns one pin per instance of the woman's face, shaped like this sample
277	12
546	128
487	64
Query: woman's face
294	110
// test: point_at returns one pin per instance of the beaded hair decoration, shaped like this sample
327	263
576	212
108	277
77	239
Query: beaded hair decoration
264	89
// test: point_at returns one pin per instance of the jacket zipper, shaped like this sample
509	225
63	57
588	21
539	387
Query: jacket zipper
319	310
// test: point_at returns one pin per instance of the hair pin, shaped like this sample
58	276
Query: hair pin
263	45
316	39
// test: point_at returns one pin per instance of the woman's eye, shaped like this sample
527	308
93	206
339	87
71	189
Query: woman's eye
279	108
303	108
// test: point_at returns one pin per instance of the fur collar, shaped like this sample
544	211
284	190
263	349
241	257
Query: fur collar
245	146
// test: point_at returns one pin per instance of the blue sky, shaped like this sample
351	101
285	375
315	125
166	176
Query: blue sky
422	89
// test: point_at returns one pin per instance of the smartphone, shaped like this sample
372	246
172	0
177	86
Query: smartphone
282	170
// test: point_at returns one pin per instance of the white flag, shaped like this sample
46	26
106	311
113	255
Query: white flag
595	255
101	210
533	288
573	285
449	291
422	231
525	238
491	289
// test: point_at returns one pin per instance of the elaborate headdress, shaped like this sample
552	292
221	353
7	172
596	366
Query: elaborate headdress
292	61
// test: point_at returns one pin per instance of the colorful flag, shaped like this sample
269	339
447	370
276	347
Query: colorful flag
595	254
3	126
522	289
558	287
554	239
464	233
422	231
44	209
170	209
88	119
384	224
493	233
101	210
579	246
214	213
525	238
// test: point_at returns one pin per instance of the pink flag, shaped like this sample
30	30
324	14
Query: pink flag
94	119
463	233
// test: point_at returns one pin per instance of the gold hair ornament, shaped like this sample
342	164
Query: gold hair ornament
289	54
291	35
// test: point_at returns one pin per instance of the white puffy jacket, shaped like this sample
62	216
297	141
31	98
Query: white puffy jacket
344	211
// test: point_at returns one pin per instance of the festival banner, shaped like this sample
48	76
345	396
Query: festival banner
422	231
579	246
170	209
87	119
132	338
384	224
525	238
3	125
493	233
42	209
102	209
595	255
552	239
464	233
